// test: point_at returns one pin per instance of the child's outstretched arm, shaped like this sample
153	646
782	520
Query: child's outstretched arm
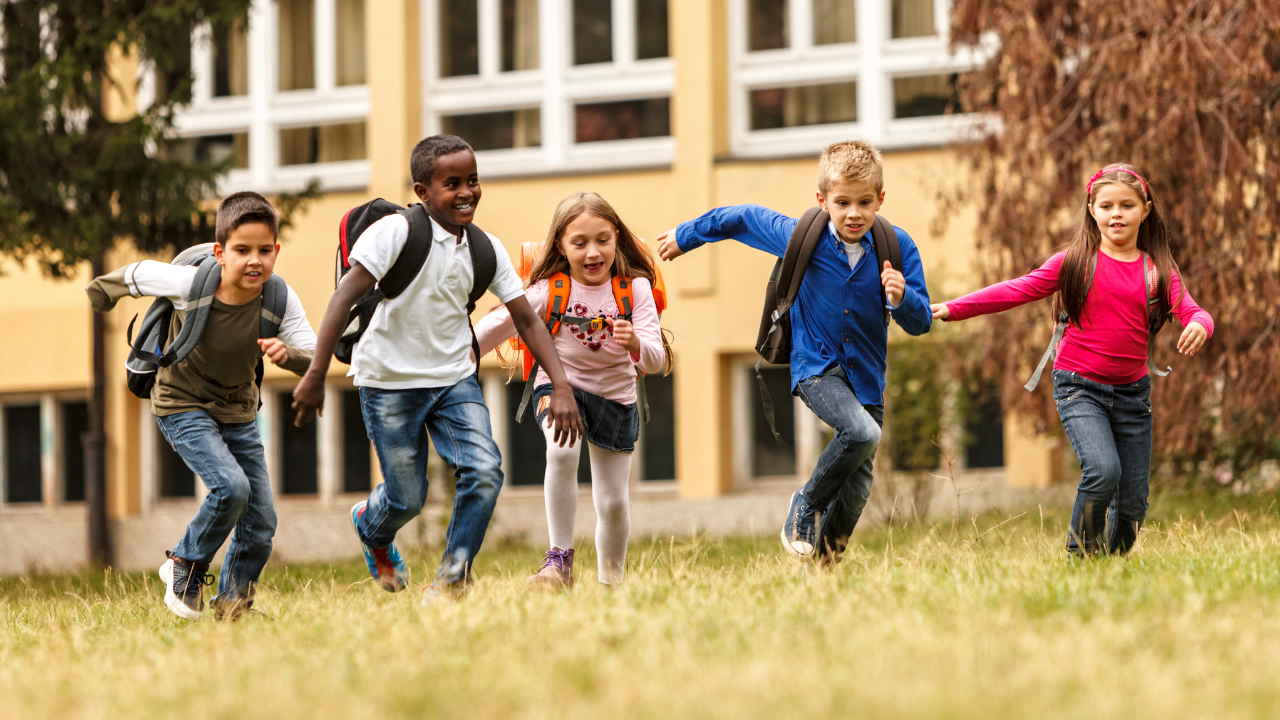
497	327
308	397
752	225
142	279
564	408
1035	285
1196	322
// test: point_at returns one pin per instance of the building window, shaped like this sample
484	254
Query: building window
768	458
551	86
658	437
285	96
22	466
806	73
984	432
299	469
357	470
175	479
75	423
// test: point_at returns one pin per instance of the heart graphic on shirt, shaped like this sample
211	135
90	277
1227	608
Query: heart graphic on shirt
592	340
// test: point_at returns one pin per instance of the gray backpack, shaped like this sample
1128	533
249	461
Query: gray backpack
147	350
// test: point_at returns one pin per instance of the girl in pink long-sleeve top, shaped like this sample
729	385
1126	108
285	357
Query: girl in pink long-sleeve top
1115	285
588	252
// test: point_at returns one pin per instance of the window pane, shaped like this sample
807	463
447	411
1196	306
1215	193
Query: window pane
912	18
214	149
349	22
22	454
75	423
519	35
768	458
984	433
925	96
592	31
176	479
528	450
805	105
230	60
834	21
767	25
623	120
297	452
659	461
296	44
651	29
327	143
497	130
459	38
357	470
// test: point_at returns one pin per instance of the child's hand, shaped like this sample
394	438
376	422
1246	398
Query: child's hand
667	247
563	415
894	284
1193	337
624	333
940	311
308	399
275	350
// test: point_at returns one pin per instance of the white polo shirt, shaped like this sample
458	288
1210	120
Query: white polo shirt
422	339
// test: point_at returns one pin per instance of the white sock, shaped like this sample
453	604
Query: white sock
610	472
560	488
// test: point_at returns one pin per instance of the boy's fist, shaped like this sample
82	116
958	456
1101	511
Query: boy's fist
275	350
667	247
894	284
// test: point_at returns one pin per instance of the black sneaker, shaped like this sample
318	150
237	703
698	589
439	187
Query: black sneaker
184	583
799	532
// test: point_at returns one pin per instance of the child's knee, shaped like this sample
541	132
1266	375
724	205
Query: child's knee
859	437
235	493
613	510
1101	475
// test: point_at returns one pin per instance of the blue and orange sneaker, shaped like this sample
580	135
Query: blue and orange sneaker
385	564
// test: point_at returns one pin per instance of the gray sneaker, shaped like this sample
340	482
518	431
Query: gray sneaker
184	583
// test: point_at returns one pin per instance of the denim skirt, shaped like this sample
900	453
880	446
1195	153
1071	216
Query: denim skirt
607	424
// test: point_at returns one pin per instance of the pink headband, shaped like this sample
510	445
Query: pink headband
1100	173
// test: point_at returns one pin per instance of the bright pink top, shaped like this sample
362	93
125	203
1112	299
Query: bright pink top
593	362
1111	348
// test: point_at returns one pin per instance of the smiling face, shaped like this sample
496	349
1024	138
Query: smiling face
454	193
1119	211
853	206
247	259
590	243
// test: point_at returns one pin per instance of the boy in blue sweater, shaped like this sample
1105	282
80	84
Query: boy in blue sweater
838	332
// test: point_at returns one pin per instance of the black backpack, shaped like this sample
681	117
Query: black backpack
773	342
406	267
147	351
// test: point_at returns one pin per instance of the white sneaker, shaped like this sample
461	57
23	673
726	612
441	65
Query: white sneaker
184	587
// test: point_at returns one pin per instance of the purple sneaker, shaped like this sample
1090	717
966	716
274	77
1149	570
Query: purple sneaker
556	570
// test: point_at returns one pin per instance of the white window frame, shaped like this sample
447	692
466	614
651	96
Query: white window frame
555	87
265	111
807	443
873	61
52	479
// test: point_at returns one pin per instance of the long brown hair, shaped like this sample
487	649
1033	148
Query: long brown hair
1153	239
630	259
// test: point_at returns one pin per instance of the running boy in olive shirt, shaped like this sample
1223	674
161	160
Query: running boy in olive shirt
206	404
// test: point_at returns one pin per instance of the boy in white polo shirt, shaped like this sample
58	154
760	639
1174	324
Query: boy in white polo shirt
416	371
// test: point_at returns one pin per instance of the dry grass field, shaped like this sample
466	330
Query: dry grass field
985	620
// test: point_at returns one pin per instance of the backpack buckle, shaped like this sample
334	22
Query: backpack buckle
597	323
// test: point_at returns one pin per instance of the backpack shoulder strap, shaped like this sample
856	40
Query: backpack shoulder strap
208	275
413	255
557	301
622	295
885	241
484	263
799	250
275	299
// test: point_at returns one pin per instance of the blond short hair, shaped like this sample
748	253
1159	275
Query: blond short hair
850	161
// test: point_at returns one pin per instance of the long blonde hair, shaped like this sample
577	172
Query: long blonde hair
630	259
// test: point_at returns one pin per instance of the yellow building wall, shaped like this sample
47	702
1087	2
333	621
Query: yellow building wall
715	292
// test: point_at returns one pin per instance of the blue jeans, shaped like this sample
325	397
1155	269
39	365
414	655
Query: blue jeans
230	460
457	421
841	481
1110	429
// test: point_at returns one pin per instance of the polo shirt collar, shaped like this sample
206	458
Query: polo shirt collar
439	234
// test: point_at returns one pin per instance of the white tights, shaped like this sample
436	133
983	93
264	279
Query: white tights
609	474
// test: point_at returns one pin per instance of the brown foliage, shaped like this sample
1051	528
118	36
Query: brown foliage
1190	93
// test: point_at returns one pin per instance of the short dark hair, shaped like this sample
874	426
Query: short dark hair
423	160
243	208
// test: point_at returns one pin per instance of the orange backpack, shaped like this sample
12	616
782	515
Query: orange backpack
557	303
